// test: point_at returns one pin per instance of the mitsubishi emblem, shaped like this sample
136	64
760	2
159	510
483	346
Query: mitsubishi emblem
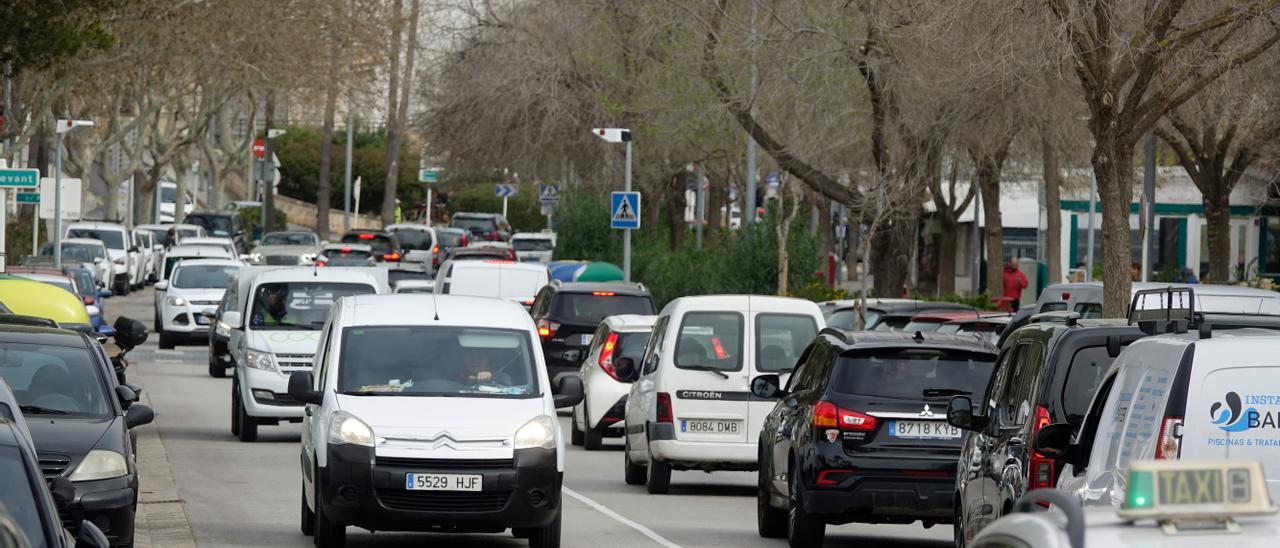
926	413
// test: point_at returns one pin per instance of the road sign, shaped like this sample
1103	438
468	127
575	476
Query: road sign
70	198
19	178
259	148
28	197
549	193
625	210
773	179
506	190
429	175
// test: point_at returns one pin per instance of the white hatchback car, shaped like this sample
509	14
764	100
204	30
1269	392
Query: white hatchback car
185	300
607	374
692	407
430	413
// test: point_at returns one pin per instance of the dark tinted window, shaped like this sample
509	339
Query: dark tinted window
710	340
450	239
349	257
414	239
1089	311
532	244
1053	307
891	323
113	239
588	308
781	338
161	236
1088	365
437	361
912	373
475	224
1016	405
56	380
18	496
168	194
630	345
380	243
215	225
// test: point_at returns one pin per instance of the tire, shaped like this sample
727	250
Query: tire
248	425
308	521
328	534
216	370
633	473
657	480
803	530
592	437
167	341
957	527
235	410
575	434
770	522
547	536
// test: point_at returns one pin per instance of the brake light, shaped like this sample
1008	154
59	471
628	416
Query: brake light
365	236
1170	441
391	256
547	329
827	415
88	299
665	413
496	261
527	302
1040	468
320	264
603	293
435	249
345	250
606	356
1066	296
825	477
492	236
465	241
719	348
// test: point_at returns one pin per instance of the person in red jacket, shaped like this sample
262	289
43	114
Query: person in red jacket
1014	282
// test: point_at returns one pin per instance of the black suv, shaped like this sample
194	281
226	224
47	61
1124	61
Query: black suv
567	315
221	224
385	246
860	435
483	226
1047	373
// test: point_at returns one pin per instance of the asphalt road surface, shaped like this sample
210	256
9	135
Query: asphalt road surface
247	494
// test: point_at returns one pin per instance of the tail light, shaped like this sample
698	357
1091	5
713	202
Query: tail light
320	264
465	241
393	256
435	250
664	408
603	293
547	329
345	250
606	355
492	236
365	236
1040	469
827	415
1170	442
88	299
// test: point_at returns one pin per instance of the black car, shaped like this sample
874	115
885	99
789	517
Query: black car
222	224
483	226
1047	373
567	315
220	333
28	507
860	435
80	419
889	314
385	246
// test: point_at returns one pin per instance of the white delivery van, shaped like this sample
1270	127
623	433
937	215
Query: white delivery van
692	407
496	279
274	331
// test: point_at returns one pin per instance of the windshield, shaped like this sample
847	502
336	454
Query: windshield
204	276
912	373
216	225
18	497
533	244
55	380
64	283
298	305
844	318
924	326
711	340
1088	365
84	282
474	224
289	238
450	239
437	361
84	253
168	194
113	239
589	309
378	242
411	239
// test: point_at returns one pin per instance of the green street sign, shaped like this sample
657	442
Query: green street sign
28	197
19	178
431	175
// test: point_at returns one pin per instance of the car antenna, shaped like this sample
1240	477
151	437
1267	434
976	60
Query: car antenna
435	307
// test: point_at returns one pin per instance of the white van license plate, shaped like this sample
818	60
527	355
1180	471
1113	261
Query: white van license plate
443	482
702	426
927	430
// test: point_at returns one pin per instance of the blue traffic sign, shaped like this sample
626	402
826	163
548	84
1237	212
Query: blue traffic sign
624	208
506	190
549	193
19	178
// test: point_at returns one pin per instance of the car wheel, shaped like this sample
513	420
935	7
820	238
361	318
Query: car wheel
308	515
216	370
575	433
958	527
658	479
547	536
328	533
235	410
248	425
803	530
633	473
770	522
167	341
592	436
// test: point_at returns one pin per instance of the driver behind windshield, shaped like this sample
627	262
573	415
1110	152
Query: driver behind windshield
272	309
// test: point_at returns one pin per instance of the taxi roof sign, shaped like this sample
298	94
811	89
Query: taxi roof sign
1200	491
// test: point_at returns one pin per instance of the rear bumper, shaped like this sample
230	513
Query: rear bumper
890	489
706	456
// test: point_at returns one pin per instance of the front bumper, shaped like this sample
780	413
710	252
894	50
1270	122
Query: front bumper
253	385
883	489
185	319
358	489
110	504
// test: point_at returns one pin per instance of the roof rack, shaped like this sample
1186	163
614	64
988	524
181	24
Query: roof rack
1176	314
1068	317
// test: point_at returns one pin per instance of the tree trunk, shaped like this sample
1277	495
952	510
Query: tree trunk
1053	207
326	156
947	252
181	173
675	210
715	218
268	188
891	244
1217	216
1113	163
393	108
988	176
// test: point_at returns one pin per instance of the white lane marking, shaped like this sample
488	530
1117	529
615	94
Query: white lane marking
620	518
169	361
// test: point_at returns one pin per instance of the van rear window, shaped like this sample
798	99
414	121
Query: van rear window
912	373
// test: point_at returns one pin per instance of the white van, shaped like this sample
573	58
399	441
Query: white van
496	279
692	407
431	413
125	257
274	330
534	247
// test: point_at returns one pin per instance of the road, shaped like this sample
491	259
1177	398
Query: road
238	494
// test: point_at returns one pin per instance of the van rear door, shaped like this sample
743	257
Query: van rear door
777	340
709	385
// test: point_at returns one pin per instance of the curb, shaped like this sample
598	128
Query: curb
161	520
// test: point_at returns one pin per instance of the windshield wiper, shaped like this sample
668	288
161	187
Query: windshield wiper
938	392
37	410
705	368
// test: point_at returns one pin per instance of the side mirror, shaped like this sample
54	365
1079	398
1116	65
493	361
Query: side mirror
63	491
766	387
161	285
1053	441
104	293
569	391
91	536
127	395
960	414
138	415
300	383
626	369
98	260
231	318
130	333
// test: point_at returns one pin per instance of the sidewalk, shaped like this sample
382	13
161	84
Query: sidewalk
161	520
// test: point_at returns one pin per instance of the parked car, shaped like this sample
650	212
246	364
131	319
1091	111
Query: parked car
286	248
607	373
28	507
185	301
220	332
363	461
496	279
568	313
691	408
534	247
491	227
346	255
147	253
418	243
854	438
385	246
125	257
32	298
91	253
81	285
222	224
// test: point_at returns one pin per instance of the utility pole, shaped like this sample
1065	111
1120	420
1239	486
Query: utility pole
975	283
1093	205
626	234
698	203
346	176
749	215
62	128
1149	211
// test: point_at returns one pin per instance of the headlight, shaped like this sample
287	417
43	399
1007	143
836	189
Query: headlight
99	465
345	428
93	310
118	260
255	258
222	329
258	359
176	301
539	432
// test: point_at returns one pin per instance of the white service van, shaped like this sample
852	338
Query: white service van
692	407
431	413
496	279
274	331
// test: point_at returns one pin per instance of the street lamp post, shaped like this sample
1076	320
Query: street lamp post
620	135
61	129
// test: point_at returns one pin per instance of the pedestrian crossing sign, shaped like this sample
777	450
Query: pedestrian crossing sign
624	210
